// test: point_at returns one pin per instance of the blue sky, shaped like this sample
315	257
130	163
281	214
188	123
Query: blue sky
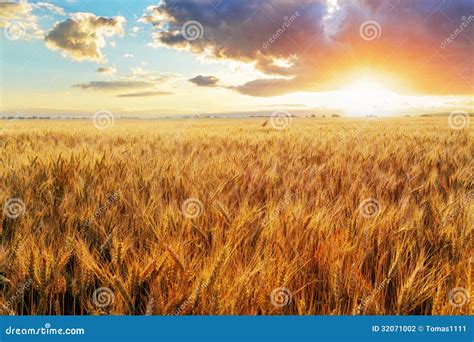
21	55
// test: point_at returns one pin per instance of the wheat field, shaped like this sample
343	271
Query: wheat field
329	216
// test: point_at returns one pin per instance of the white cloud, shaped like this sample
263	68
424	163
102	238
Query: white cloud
50	7
83	35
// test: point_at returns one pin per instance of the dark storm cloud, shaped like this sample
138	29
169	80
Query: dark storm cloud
323	42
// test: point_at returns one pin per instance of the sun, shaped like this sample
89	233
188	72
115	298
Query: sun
367	97
360	94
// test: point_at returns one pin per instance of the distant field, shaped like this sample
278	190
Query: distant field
326	216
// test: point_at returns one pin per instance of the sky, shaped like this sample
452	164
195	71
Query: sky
175	57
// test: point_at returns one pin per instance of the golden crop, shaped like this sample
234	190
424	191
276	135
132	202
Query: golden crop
326	217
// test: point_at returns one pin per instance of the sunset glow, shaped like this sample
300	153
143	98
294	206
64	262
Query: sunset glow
368	97
168	58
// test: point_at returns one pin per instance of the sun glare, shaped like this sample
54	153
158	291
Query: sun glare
365	97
